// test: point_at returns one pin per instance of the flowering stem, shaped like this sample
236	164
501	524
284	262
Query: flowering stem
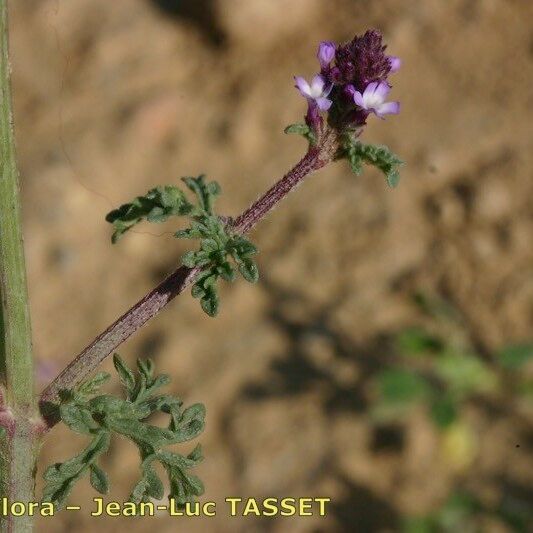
108	341
309	163
18	410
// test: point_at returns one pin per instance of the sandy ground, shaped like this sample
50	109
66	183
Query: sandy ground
113	98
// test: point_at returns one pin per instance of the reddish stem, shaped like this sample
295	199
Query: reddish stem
149	306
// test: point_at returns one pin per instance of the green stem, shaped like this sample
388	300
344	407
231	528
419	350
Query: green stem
18	411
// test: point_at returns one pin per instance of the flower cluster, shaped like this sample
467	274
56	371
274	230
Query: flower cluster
352	83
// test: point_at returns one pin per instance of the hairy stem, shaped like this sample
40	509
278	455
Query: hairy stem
152	303
18	410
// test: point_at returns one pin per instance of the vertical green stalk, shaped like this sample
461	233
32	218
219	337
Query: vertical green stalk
18	414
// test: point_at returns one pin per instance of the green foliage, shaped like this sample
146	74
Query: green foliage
102	415
402	386
516	356
220	250
156	206
442	372
456	514
379	156
301	129
444	410
416	341
465	374
462	511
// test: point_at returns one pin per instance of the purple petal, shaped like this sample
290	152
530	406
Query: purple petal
302	86
317	85
326	53
358	99
382	90
323	103
388	108
395	64
370	88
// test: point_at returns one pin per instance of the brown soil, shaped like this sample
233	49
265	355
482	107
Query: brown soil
113	98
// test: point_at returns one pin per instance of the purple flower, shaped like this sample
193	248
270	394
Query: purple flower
316	92
395	64
326	53
373	99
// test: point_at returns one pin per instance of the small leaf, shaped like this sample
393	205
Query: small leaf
210	303
301	129
444	412
464	373
393	178
214	188
99	479
243	247
91	386
515	356
156	206
416	341
183	487
154	486
185	234
209	245
379	156
196	454
139	490
210	281
78	418
157	214
178	461
205	192
197	291
298	129
61	477
125	374
189	259
402	386
226	271
249	271
420	524
191	423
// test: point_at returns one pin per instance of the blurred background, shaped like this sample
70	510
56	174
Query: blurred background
384	359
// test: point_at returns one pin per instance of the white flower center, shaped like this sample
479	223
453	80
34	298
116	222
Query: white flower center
372	100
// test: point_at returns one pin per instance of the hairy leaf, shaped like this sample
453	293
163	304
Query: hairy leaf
99	479
61	477
379	156
103	415
301	129
218	246
125	374
156	206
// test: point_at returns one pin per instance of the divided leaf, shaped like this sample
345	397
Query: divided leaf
206	193
61	477
99	479
379	156
125	374
156	206
101	416
301	129
217	247
217	244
